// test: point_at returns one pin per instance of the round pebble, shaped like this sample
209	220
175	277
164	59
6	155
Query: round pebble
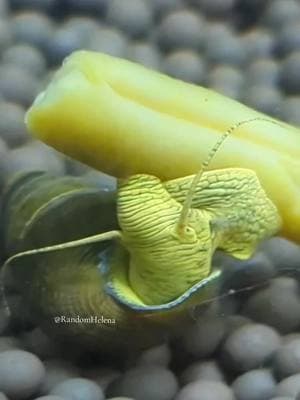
277	305
147	382
250	346
110	41
285	255
133	16
226	79
25	56
207	370
205	390
289	110
264	98
50	397
204	337
264	71
5	34
145	54
288	39
12	126
57	371
63	42
227	49
258	384
85	27
158	355
239	274
236	321
215	8
3	397
88	6
162	7
181	29
281	12
289	386
103	376
42	5
290	73
186	65
21	373
33	156
33	28
4	8
79	389
259	43
17	85
287	359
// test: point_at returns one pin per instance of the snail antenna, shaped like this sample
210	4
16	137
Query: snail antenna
187	205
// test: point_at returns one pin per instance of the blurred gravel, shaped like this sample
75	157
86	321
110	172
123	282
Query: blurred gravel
244	346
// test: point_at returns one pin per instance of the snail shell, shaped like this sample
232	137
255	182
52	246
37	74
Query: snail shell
72	284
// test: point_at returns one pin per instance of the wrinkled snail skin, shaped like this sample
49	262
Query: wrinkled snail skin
163	265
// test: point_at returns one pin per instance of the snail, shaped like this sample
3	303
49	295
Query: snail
117	271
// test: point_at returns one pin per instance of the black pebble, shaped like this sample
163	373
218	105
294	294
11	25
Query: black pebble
277	305
287	359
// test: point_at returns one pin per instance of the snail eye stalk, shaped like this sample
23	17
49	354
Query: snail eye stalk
182	224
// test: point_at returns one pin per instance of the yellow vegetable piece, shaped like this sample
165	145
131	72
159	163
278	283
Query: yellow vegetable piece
123	119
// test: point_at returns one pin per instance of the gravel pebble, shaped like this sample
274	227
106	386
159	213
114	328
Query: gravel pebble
289	386
186	65
78	389
5	34
281	12
207	370
50	397
226	79
287	359
250	346
57	371
181	29
144	53
110	41
204	337
63	42
147	382
12	126
25	56
205	390
277	305
239	274
17	85
28	373
133	16
88	6
227	49
290	73
33	28
289	110
263	71
283	253
33	156
158	355
264	98
215	8
258	384
259	43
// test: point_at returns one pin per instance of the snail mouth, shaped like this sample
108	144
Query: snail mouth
115	273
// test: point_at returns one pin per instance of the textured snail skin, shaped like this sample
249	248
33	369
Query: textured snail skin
124	119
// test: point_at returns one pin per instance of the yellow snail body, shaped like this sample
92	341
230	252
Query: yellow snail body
119	271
